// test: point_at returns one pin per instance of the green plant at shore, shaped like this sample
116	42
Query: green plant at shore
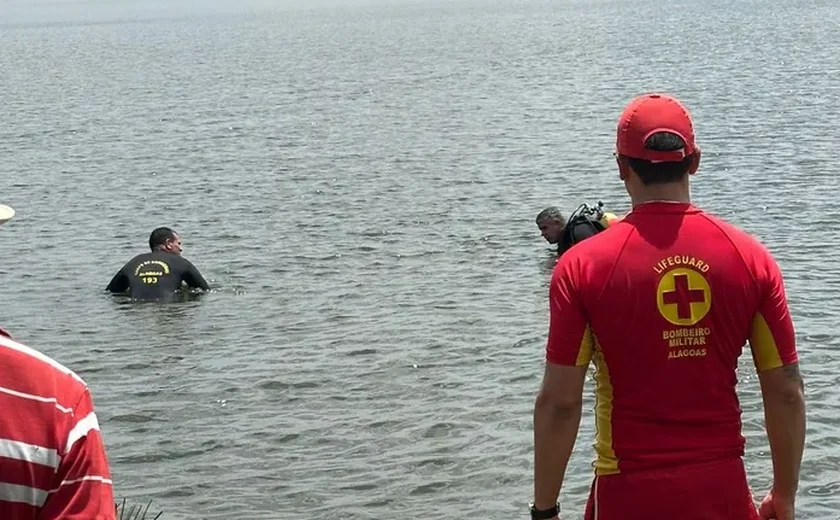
136	512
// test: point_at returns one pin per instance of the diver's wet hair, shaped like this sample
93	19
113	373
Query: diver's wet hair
551	213
159	237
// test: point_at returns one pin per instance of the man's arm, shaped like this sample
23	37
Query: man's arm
194	279
773	345
557	414
82	489
119	283
782	390
557	410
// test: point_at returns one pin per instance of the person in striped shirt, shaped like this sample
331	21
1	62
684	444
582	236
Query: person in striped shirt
53	463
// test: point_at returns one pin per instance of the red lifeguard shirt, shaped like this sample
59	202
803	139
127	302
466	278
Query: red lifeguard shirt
663	303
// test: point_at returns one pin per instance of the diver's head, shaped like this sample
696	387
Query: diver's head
166	240
655	149
551	224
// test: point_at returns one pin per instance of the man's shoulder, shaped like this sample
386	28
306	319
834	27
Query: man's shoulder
590	257
759	261
178	262
138	258
743	240
42	370
605	240
169	261
166	256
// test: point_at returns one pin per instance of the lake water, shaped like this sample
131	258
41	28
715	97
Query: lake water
359	183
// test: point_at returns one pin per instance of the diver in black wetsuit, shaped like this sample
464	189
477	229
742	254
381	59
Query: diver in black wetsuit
584	222
159	274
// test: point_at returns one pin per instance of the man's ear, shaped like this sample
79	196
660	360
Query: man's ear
695	162
623	168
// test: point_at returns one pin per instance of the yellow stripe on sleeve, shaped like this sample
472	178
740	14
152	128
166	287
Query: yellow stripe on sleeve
586	347
763	344
606	462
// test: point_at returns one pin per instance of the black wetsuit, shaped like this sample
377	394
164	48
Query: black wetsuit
156	275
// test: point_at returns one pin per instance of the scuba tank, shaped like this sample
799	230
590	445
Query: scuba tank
587	220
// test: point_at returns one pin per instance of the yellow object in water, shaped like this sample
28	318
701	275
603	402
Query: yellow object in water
608	219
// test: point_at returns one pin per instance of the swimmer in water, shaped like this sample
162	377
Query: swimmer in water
160	273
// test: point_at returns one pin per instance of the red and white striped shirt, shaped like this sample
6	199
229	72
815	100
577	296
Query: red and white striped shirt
52	459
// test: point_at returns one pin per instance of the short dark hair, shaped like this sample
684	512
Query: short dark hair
160	236
551	213
661	172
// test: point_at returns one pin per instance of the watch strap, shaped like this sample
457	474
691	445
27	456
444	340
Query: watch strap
544	514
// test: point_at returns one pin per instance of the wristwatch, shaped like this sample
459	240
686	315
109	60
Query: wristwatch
543	514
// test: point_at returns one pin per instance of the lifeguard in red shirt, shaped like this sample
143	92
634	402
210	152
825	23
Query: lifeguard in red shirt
662	303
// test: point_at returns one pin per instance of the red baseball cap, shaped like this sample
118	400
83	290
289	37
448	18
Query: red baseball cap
647	115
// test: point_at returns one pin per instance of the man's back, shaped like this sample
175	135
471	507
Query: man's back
663	303
52	461
679	293
156	275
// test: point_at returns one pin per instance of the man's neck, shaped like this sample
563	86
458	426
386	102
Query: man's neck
662	193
